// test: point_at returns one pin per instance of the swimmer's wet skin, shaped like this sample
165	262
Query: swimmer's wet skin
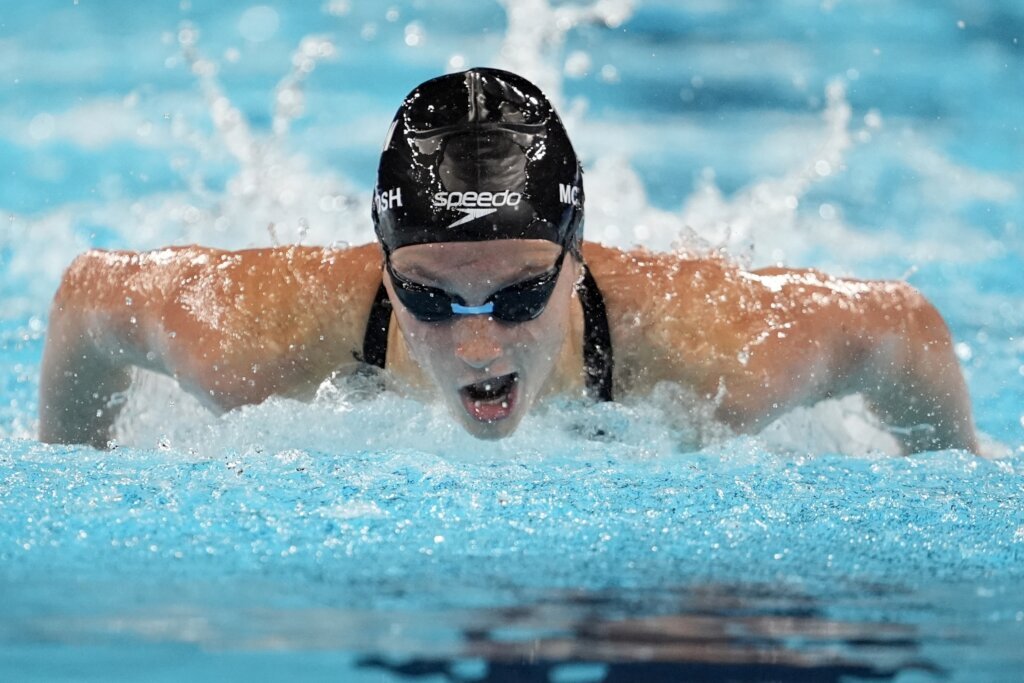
482	292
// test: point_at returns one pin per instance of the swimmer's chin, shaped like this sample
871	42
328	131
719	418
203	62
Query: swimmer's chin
490	431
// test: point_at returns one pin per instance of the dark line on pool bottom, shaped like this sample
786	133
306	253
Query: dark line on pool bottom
649	672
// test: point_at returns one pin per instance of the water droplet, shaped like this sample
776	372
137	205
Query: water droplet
577	64
187	36
338	8
41	127
414	34
258	24
609	74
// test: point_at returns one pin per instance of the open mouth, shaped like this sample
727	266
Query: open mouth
492	399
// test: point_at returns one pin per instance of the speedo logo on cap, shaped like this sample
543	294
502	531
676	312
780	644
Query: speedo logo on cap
476	200
475	204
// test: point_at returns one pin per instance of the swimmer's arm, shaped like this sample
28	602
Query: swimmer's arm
117	310
91	344
913	380
884	340
233	328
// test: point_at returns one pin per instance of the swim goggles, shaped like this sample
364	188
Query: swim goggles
432	140
517	303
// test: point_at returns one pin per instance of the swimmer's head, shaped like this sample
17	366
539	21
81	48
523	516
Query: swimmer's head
477	155
479	211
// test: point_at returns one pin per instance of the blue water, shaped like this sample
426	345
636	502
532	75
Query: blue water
364	537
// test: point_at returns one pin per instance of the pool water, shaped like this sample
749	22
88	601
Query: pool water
364	536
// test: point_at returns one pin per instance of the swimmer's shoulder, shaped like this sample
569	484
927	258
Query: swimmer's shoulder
640	269
691	317
104	280
274	272
718	295
301	306
646	286
664	311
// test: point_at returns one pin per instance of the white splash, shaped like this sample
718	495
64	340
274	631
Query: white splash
272	197
763	217
274	187
536	34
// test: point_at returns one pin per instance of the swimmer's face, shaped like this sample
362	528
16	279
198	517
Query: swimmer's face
488	371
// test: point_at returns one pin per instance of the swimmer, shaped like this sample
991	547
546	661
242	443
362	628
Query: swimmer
481	292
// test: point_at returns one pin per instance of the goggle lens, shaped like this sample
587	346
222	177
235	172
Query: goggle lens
517	303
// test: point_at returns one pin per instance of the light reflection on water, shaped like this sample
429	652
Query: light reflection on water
707	632
710	632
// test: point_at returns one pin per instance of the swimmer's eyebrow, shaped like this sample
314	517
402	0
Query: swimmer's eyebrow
416	272
428	277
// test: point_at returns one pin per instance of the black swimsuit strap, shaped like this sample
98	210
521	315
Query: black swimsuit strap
375	339
597	340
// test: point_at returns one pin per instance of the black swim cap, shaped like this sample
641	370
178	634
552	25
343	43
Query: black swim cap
477	155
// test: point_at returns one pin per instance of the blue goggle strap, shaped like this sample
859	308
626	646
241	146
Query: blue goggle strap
459	309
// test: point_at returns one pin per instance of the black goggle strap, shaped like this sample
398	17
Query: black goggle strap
430	141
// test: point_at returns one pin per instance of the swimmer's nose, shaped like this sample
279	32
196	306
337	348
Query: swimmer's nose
475	341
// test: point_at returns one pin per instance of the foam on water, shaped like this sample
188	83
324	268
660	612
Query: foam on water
274	196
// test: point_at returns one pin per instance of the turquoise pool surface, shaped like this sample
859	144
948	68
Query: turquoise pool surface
364	536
